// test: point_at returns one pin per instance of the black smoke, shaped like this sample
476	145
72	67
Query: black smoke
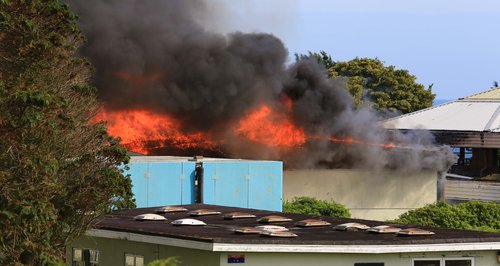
158	55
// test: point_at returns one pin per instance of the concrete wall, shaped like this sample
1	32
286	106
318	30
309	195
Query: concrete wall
369	195
112	252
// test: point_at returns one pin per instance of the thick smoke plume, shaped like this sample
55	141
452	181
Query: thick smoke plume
157	55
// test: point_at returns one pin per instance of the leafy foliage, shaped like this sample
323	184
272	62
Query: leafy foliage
473	215
388	88
312	206
58	172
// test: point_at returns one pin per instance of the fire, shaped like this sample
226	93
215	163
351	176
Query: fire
267	127
142	130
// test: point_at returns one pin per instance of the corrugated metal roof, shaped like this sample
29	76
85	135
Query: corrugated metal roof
479	112
490	94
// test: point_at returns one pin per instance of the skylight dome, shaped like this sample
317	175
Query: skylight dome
351	227
384	229
278	233
273	219
238	215
201	212
188	221
312	223
166	209
415	232
149	217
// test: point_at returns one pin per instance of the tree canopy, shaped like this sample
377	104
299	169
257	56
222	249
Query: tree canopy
387	88
58	171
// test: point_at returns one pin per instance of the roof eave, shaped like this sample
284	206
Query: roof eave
230	247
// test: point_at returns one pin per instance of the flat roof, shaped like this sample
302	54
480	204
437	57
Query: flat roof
218	234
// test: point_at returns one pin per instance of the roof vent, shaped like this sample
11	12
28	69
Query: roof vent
312	223
351	227
170	209
238	215
414	232
278	234
273	219
202	212
149	217
384	229
188	221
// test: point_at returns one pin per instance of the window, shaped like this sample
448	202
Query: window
444	262
369	264
91	257
77	257
458	262
134	260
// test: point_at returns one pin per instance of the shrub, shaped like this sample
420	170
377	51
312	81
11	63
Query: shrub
312	206
473	215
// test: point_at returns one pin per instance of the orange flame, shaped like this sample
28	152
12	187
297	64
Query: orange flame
139	129
267	127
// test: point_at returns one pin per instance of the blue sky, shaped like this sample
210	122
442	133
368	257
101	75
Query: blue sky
452	44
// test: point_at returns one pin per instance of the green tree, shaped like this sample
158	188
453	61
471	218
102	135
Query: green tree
369	79
58	172
312	206
473	215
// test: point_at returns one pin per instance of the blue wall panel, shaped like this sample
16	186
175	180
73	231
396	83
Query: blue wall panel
162	183
246	184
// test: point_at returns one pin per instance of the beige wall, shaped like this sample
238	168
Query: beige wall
369	195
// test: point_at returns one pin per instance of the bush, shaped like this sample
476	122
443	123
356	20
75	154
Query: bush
473	215
171	261
312	206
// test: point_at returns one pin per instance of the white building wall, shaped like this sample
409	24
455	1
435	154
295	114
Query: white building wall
112	253
481	258
368	194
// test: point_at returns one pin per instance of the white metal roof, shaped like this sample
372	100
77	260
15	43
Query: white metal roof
479	112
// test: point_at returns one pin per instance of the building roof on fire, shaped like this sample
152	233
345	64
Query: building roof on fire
476	113
219	234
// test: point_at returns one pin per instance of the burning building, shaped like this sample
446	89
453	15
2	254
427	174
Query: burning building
170	86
